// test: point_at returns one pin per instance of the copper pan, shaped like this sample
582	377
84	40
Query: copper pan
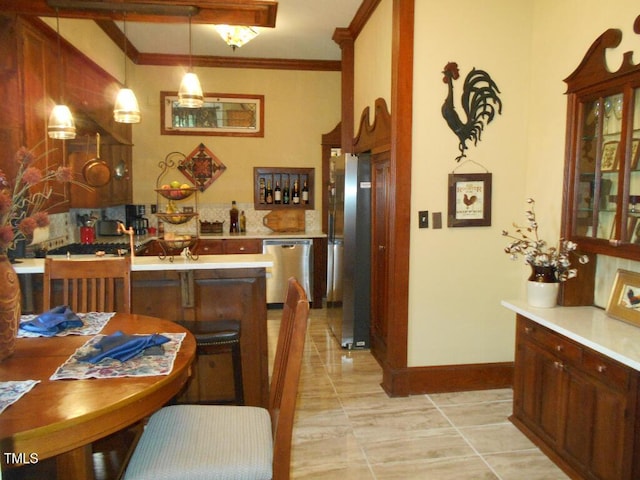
96	172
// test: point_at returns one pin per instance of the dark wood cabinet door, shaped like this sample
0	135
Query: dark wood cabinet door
380	205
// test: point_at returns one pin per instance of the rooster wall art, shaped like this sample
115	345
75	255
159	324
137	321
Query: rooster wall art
480	102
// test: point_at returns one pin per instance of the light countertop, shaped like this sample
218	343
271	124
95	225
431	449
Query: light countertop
589	326
141	264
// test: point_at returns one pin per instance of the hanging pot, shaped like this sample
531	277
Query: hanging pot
96	172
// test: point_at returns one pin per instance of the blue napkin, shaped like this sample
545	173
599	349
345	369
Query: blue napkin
121	346
54	321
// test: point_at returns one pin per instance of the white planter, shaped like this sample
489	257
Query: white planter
542	295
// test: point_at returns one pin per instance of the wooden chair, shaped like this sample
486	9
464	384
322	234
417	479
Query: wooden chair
195	442
88	285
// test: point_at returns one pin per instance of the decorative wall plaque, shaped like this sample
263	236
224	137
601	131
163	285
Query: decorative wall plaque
202	167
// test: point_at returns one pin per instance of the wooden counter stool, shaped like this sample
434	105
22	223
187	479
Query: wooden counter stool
217	337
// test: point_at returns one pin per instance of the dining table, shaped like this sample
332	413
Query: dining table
61	418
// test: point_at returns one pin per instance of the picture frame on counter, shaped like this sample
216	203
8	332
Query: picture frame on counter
624	301
222	114
469	200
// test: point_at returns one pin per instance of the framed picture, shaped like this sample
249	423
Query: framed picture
634	153
469	200
609	159
222	114
624	301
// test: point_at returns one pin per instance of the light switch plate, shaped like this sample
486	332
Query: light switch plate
423	219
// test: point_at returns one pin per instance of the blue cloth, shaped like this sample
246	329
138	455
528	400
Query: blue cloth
121	346
54	321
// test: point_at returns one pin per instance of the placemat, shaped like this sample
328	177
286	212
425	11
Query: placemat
93	324
140	366
11	392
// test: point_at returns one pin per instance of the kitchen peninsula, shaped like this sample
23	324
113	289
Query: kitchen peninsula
213	287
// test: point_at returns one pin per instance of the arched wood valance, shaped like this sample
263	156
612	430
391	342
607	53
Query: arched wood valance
376	136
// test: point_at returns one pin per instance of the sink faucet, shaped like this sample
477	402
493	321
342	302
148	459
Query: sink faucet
123	229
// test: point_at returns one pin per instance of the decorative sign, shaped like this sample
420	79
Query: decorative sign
469	200
202	167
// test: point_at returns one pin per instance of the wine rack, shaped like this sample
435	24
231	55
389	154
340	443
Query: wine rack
263	177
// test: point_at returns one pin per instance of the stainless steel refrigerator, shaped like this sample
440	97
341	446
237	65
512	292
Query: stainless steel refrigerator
349	250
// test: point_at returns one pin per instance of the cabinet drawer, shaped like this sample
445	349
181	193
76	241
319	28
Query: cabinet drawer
249	245
559	345
210	247
606	369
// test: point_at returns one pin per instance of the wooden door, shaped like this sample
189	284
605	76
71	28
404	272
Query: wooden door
380	204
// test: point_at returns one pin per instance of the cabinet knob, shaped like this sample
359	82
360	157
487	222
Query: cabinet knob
601	368
559	348
528	330
242	249
558	365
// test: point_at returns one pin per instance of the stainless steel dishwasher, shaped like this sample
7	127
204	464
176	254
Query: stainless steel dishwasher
291	257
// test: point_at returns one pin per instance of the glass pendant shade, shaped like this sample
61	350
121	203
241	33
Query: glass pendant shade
126	109
61	124
236	36
190	94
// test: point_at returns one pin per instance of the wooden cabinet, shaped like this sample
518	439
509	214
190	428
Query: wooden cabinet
35	77
602	173
380	201
286	180
578	405
210	295
228	246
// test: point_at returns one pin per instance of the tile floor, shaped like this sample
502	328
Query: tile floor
348	428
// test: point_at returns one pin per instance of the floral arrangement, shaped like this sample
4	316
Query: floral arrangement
536	252
22	209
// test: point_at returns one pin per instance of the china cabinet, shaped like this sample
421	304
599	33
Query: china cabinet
602	173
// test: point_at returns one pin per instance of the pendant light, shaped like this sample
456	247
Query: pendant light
190	94
236	35
126	109
61	125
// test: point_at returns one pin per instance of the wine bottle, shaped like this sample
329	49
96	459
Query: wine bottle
269	192
263	191
277	194
295	196
305	193
285	193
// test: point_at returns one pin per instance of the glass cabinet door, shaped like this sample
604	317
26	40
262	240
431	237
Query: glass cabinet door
598	168
633	205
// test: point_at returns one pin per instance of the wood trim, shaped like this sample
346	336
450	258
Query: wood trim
460	378
346	40
360	19
259	13
238	62
374	136
401	159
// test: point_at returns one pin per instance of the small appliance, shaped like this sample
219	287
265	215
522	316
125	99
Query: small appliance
134	218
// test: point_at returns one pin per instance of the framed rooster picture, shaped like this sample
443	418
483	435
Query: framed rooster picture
624	301
469	200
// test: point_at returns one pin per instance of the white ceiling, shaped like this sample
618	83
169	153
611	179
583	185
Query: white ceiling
303	31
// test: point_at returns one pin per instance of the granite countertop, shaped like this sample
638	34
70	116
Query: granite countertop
140	264
589	326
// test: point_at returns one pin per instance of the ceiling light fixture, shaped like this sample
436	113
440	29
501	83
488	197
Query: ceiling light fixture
126	109
61	125
190	94
236	35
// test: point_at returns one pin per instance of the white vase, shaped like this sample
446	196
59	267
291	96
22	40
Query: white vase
542	295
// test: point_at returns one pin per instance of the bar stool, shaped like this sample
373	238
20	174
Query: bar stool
215	337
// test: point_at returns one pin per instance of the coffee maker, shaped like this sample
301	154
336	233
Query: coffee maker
134	218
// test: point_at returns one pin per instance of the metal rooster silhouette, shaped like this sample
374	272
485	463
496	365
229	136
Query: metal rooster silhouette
479	101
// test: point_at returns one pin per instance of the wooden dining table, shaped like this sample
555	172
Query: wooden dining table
61	418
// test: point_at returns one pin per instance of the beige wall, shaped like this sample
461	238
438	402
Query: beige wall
299	107
459	275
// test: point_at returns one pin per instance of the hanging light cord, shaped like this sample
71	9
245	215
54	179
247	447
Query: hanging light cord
124	27
190	55
59	58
